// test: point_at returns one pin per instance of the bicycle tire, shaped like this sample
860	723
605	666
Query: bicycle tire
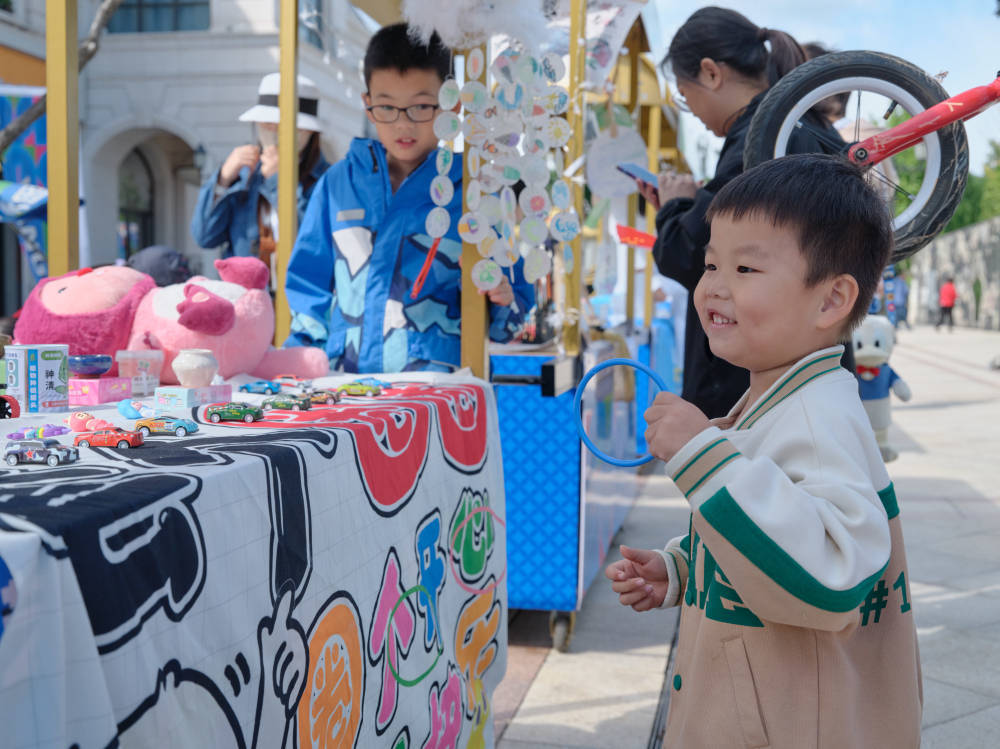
948	184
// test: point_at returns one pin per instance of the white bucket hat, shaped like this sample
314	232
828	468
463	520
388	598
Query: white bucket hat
266	108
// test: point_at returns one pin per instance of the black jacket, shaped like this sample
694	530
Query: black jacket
712	384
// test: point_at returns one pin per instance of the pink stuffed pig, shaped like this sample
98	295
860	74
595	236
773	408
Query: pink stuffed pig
233	317
91	310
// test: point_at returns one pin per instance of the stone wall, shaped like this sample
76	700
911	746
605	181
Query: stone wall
967	255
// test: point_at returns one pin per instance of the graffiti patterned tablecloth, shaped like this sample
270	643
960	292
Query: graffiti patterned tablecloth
328	578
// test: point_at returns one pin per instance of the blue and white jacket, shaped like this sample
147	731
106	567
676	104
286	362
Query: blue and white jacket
358	252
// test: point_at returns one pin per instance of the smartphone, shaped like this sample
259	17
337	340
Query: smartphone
640	173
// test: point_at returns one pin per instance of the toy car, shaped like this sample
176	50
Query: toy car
323	397
292	381
114	437
288	402
48	451
234	411
165	425
374	382
261	386
360	388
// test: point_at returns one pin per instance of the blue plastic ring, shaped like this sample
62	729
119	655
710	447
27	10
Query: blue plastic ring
578	401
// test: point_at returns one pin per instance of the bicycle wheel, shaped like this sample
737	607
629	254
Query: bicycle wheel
879	86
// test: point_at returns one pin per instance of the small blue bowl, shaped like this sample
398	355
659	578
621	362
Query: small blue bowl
89	365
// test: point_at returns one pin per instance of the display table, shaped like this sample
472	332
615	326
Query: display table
328	577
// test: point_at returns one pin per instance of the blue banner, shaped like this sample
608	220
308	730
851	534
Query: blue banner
25	168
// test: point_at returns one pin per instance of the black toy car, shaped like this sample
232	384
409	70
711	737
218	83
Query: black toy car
49	451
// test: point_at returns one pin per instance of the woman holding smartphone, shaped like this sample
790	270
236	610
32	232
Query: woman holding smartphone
723	65
238	203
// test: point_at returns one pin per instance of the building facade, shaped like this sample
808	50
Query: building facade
159	102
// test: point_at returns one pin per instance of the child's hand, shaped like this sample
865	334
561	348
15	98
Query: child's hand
502	294
672	422
640	579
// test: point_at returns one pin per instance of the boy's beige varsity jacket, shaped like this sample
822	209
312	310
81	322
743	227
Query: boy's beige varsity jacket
796	626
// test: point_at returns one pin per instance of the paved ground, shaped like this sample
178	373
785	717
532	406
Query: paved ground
606	690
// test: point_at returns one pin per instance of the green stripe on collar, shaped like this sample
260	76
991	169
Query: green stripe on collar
788	384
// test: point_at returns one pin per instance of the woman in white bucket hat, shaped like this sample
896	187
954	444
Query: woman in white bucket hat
238	203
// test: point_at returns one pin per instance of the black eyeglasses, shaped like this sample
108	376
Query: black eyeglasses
415	113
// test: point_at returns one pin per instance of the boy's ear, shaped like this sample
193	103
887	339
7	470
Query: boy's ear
367	101
710	73
840	294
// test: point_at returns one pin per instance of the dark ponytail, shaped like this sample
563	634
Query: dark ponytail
727	36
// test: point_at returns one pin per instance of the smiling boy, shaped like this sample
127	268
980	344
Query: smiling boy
796	625
363	240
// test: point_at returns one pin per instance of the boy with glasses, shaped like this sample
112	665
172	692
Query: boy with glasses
363	241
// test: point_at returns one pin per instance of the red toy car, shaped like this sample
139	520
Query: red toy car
108	438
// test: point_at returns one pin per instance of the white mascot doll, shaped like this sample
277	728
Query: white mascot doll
873	342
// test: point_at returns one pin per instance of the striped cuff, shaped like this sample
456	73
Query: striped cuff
700	459
674	587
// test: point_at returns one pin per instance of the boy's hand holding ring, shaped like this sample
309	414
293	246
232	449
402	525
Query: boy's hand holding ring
672	423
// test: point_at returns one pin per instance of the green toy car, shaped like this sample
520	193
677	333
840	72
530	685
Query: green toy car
234	411
287	402
360	388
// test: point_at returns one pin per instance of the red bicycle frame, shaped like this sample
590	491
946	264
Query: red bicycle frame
889	142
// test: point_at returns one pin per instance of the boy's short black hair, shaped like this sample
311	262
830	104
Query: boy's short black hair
843	225
393	48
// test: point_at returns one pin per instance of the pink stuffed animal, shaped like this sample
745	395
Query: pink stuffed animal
233	317
91	310
115	307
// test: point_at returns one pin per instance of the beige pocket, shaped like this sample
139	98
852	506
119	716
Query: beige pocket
747	706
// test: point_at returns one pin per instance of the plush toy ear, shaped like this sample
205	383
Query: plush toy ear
248	272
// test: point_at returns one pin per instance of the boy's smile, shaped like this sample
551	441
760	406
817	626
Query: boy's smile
753	301
406	142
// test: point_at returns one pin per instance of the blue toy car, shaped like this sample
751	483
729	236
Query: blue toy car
165	425
374	382
261	386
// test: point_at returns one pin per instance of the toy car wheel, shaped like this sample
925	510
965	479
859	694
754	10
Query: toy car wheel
271	391
83	443
244	389
330	401
122	444
248	418
179	431
52	460
370	393
11	460
144	431
296	407
215	418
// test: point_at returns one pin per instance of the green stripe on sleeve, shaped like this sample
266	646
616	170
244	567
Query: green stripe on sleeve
703	465
724	515
888	497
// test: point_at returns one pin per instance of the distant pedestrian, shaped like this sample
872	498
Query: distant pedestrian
946	303
903	303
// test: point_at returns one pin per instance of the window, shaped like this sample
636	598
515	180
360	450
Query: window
310	22
160	15
135	204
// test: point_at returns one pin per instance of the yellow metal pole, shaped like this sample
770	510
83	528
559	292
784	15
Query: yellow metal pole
633	200
577	71
288	163
655	125
474	309
63	134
